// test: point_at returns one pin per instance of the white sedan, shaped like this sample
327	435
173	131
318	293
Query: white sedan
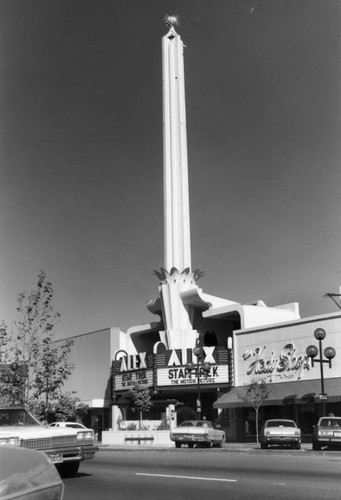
65	447
73	425
199	432
280	432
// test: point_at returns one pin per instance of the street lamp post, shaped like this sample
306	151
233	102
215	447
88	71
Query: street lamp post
200	367
329	353
230	360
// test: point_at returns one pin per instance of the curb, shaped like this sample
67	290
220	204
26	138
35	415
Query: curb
227	447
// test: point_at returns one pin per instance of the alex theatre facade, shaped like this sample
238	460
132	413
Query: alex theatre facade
173	374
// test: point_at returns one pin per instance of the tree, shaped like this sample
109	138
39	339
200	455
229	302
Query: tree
47	364
141	398
12	374
68	407
255	394
186	413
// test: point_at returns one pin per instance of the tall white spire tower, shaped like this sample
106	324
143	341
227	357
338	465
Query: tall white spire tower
176	278
182	304
177	243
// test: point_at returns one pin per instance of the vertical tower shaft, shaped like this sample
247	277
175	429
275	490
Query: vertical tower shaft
177	244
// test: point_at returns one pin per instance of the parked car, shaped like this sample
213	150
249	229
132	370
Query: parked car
73	425
28	474
327	432
280	432
197	432
65	447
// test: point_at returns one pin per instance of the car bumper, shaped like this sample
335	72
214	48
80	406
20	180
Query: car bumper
89	452
71	454
190	439
329	441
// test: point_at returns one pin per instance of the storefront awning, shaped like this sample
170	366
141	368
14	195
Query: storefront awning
286	393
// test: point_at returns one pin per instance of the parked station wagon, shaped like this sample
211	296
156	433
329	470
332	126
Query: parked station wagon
197	432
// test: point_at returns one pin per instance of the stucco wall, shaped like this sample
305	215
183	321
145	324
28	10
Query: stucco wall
91	354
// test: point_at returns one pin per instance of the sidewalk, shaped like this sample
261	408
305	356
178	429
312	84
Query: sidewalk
235	447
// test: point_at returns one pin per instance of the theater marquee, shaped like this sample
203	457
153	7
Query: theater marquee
126	380
181	376
171	368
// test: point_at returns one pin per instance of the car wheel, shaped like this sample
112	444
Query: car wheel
263	446
220	444
210	444
69	469
177	445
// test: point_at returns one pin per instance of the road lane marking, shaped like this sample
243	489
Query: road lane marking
187	477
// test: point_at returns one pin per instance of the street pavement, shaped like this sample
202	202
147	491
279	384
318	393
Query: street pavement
237	471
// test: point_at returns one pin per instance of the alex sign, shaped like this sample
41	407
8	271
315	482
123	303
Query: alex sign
133	362
139	361
130	369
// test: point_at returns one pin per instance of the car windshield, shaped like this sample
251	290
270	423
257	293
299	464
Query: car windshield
17	416
281	423
196	423
330	422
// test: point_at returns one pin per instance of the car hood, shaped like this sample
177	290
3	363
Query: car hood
32	431
28	474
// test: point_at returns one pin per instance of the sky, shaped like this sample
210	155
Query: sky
81	193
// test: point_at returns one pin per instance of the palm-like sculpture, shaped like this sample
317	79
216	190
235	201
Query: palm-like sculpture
177	313
175	276
171	20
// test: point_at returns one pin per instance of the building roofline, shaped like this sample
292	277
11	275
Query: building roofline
301	321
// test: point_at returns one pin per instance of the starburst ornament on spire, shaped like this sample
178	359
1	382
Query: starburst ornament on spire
171	21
